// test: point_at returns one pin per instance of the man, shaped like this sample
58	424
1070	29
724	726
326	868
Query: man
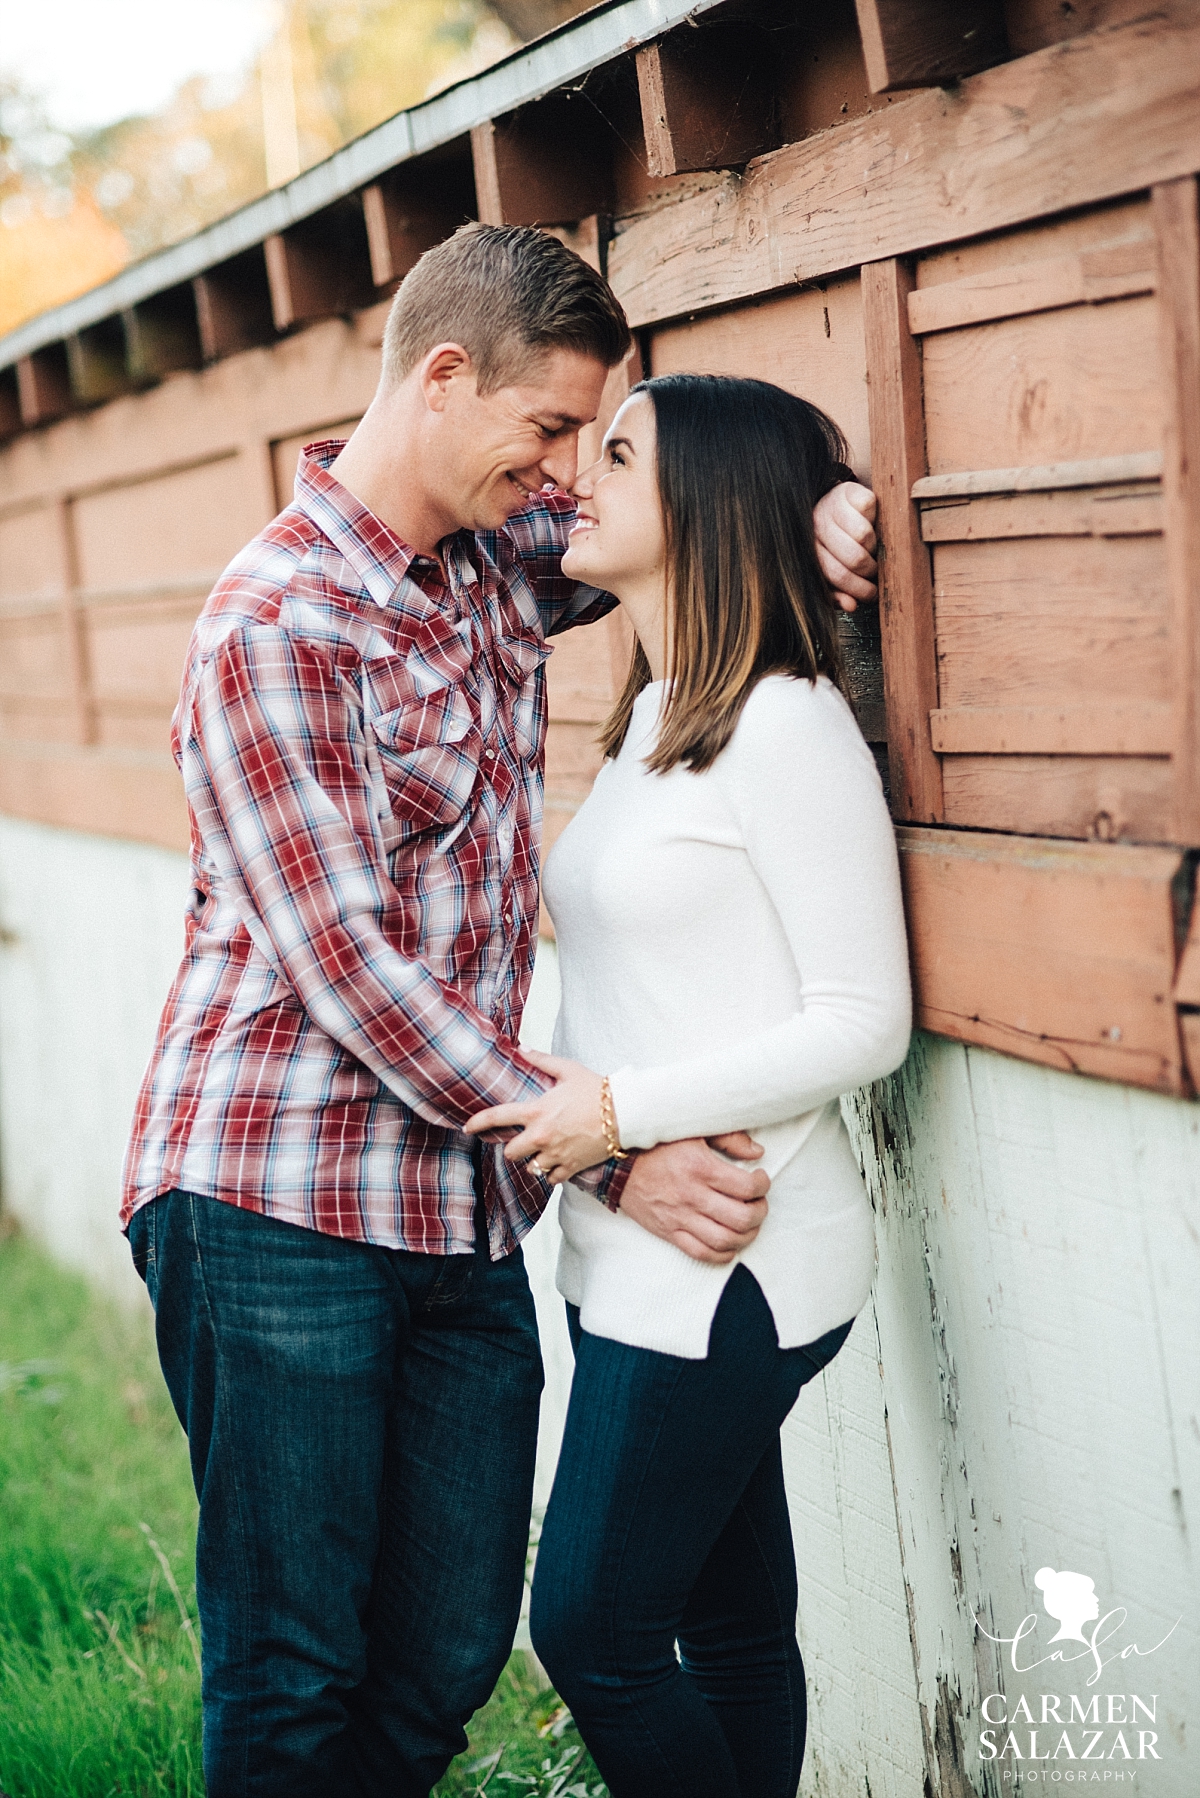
343	1315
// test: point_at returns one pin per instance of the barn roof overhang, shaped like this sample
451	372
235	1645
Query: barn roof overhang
565	55
514	143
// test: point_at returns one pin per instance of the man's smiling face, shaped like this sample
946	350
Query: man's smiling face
495	450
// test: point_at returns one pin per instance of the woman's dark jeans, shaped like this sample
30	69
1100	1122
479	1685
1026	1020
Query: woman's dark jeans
362	1425
668	1523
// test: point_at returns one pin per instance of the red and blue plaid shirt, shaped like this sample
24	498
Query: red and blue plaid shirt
361	745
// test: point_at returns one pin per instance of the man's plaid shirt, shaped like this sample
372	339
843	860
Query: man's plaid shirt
361	747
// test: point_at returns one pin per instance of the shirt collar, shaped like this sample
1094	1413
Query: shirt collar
379	558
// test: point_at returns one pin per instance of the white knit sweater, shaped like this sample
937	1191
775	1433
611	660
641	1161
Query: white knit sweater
732	952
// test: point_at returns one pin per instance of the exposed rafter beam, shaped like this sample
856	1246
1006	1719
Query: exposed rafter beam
562	57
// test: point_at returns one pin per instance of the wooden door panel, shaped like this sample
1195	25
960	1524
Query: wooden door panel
1106	798
1057	386
31	555
1054	621
810	342
1058	952
180	523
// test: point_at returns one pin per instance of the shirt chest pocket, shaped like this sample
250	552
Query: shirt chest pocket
422	751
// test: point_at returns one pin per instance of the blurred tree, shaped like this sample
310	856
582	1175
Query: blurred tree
74	210
55	241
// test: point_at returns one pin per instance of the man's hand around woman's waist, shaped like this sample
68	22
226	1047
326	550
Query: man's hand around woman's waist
689	1193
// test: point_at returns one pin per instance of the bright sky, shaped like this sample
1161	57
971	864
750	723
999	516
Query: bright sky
99	60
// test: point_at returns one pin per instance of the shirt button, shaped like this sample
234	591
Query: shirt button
489	755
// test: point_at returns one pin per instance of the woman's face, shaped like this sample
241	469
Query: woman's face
618	542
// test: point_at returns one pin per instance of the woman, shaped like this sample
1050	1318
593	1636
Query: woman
733	957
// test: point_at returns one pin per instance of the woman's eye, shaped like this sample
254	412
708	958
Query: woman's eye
616	458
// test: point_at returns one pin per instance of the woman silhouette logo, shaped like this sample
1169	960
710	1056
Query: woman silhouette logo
1070	1598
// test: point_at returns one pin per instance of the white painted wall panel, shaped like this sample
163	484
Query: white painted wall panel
92	935
1023	1389
1038	1298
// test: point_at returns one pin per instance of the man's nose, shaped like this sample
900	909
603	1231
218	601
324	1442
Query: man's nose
560	463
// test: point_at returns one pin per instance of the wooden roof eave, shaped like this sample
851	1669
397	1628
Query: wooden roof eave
601	36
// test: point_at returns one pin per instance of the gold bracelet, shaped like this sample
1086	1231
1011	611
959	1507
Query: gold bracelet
608	1119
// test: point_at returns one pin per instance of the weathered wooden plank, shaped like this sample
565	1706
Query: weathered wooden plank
706	101
1093	471
1178	233
1054	621
1068	126
905	580
1052	387
1117	511
1136	727
1060	953
1112	272
1107	799
915	43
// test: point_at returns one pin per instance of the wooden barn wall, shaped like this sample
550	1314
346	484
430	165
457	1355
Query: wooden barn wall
994	287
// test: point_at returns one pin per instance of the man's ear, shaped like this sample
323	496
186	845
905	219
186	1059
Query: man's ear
446	364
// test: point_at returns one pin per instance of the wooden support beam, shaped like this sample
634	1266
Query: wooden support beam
233	306
44	385
927	43
99	363
162	334
1073	125
545	165
1062	953
10	403
1177	229
408	211
906	581
707	100
75	629
320	267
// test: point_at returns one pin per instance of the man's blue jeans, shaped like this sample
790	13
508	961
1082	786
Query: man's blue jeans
362	1425
668	1523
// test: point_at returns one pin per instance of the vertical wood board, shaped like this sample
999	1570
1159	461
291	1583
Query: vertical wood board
1174	207
905	580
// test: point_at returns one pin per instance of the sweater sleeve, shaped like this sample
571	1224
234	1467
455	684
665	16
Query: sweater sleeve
804	792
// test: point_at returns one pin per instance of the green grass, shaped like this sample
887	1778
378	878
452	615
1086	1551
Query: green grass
99	1685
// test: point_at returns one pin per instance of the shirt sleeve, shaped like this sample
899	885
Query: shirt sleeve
276	772
803	789
537	536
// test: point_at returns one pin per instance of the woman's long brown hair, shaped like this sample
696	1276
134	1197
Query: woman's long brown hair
741	464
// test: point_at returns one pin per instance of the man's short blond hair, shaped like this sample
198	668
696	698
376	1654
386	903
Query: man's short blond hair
508	294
